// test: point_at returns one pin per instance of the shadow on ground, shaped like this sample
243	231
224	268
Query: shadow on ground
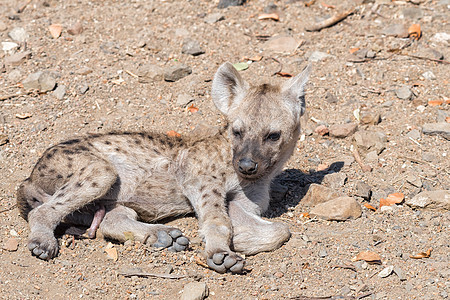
297	184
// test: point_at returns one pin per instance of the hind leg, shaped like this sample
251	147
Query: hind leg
90	183
251	233
123	219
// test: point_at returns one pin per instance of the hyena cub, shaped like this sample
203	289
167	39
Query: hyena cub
121	182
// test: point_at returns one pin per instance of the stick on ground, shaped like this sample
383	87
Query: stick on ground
330	21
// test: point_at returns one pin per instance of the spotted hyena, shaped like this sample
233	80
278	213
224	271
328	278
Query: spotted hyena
123	183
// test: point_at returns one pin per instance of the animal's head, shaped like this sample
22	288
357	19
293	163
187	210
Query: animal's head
264	120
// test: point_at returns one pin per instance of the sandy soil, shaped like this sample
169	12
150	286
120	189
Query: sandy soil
120	37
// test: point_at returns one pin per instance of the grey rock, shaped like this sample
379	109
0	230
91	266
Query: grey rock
429	157
8	46
404	93
18	34
400	273
318	56
47	82
414	134
14	76
386	272
149	73
338	209
335	180
184	99
227	3
428	75
441	37
439	199
323	253
342	130
398	30
371	54
414	180
430	53
83	88
60	92
369	117
414	13
363	190
331	98
17	58
195	291
318	194
32	81
442	129
192	47
175	73
270	8
372	155
369	141
214	18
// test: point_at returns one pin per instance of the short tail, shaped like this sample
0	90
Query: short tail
24	199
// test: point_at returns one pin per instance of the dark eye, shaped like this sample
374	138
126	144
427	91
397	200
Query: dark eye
237	133
274	136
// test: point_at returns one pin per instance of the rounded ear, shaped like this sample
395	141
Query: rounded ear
227	87
294	91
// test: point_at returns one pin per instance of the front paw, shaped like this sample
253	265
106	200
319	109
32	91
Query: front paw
44	246
172	239
222	262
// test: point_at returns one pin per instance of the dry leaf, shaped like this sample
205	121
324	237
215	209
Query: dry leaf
173	133
367	205
369	256
394	198
192	108
435	102
422	254
112	253
447	119
414	32
308	4
253	58
24	116
283	74
305	215
353	50
327	5
272	16
55	30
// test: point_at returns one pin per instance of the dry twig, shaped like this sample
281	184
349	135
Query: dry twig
22	8
330	21
364	167
9	96
427	58
146	274
8	209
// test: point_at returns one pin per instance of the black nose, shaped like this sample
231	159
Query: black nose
247	166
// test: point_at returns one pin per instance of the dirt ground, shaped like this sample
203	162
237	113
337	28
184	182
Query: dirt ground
120	38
